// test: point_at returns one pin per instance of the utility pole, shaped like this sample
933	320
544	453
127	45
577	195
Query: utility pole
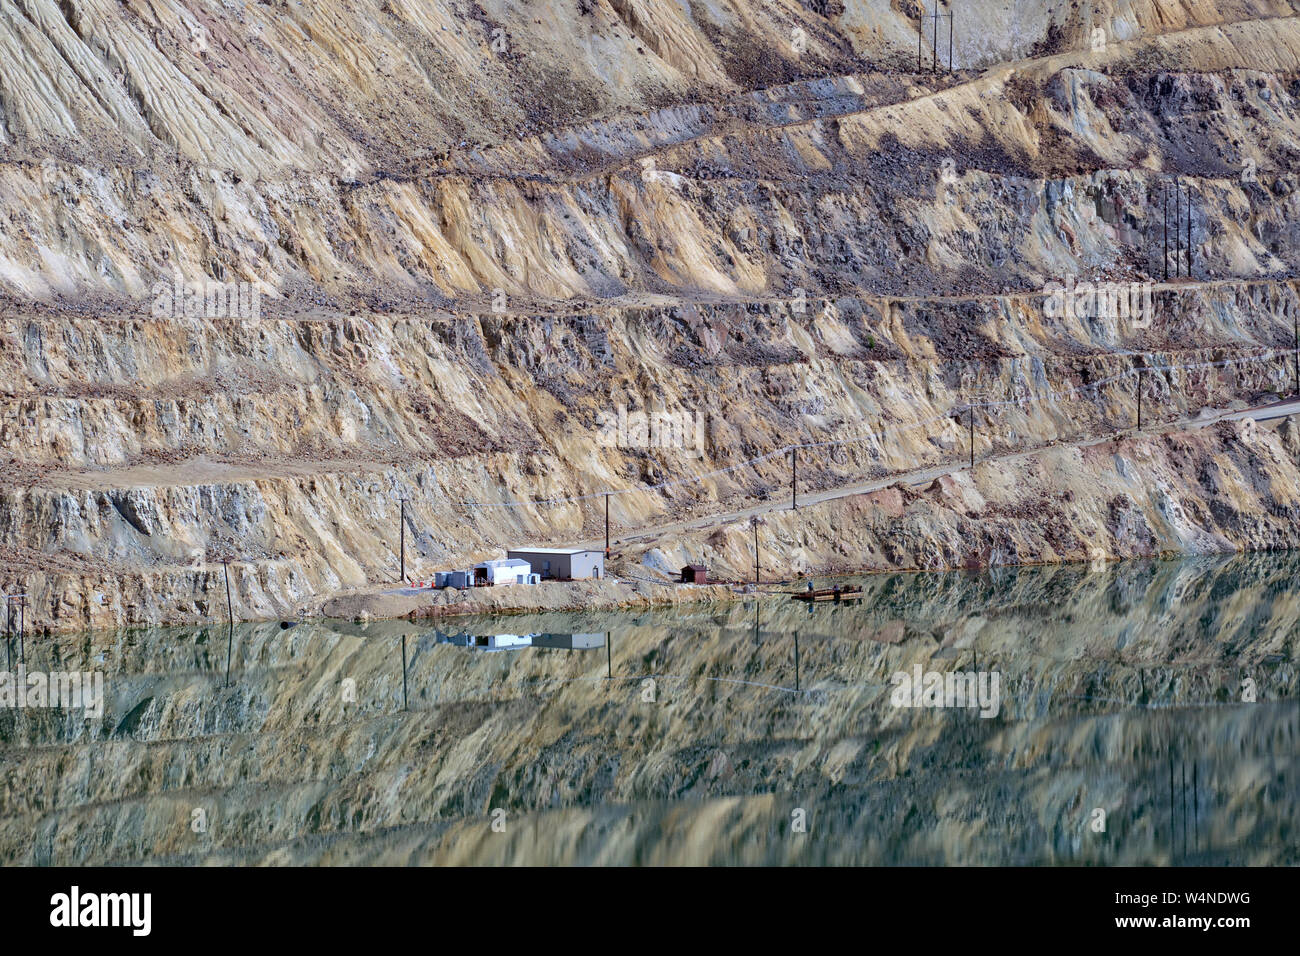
920	29
934	67
794	477
934	41
1295	323
1146	239
607	526
1139	391
754	521
972	436
1164	194
1178	226
401	534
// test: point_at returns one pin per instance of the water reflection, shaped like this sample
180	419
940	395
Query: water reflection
512	642
1125	732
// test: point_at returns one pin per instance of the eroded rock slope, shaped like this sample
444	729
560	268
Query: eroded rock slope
476	228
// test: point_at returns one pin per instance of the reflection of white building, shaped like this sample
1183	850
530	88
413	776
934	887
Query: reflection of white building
502	571
512	642
489	642
571	642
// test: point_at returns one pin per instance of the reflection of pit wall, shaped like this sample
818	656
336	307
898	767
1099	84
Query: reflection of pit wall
680	431
61	690
1111	301
953	689
206	300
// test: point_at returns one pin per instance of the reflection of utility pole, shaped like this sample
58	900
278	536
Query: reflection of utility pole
1196	805
230	613
16	602
796	658
1183	767
404	705
1172	827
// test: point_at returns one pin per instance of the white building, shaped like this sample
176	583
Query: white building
565	564
502	571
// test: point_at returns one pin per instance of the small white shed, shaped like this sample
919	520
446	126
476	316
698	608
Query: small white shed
502	571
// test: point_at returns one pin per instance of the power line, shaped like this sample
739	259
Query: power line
958	410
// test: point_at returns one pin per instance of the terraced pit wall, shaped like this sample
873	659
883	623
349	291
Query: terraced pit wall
143	452
465	255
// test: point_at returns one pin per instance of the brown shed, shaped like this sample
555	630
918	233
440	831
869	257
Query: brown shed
695	574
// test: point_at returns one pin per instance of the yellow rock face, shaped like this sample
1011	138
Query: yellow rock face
267	268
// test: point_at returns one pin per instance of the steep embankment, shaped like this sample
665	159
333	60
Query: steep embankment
471	244
822	183
144	452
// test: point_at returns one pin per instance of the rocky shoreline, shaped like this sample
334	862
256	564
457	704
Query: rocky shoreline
602	595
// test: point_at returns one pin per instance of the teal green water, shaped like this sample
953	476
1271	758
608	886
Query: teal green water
1145	714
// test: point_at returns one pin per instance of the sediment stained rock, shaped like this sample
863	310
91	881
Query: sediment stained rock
477	232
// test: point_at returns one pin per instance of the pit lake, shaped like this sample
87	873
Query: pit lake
1146	713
